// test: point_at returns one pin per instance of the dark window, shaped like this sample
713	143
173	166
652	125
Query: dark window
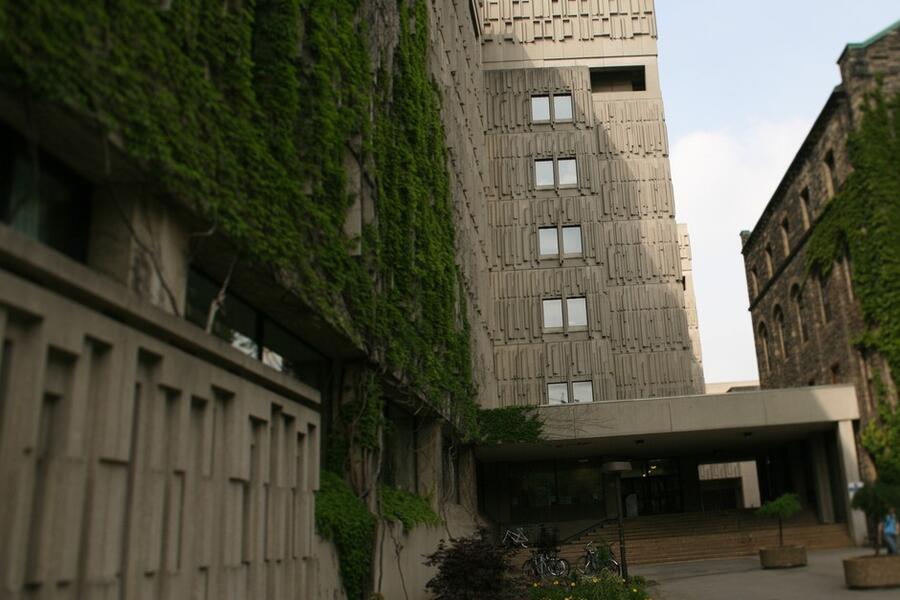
824	297
399	463
804	207
618	79
799	310
835	373
42	198
252	332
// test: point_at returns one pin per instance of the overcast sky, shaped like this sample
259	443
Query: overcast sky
742	84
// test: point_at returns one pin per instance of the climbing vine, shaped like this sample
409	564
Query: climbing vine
345	520
511	424
860	223
248	113
407	508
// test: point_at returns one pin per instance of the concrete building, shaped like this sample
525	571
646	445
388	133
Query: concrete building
806	325
595	320
151	451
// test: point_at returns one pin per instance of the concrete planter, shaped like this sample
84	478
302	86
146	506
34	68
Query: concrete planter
872	572
783	557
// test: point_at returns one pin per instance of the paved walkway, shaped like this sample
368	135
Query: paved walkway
743	579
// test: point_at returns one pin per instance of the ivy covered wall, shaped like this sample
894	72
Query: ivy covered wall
247	111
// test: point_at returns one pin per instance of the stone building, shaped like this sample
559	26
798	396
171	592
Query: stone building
805	324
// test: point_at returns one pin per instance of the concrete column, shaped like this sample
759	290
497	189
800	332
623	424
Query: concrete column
824	500
798	472
849	469
141	243
429	466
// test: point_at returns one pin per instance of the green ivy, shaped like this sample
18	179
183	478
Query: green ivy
861	223
511	424
410	509
345	520
247	112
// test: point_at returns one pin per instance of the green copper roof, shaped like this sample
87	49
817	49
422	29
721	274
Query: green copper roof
876	37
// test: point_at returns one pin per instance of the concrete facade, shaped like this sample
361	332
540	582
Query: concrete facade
805	326
639	336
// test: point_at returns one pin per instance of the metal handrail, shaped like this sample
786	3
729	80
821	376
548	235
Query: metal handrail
580	533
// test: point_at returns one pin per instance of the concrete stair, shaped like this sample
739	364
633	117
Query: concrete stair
697	536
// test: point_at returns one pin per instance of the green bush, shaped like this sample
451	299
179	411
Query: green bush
783	507
409	509
601	587
345	520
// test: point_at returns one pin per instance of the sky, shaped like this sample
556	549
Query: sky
742	83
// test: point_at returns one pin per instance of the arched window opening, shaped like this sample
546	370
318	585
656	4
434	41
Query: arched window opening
778	314
797	300
764	347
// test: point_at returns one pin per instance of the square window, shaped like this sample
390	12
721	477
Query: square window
557	393
577	310
553	317
562	107
543	173
568	173
571	240
540	109
582	391
549	242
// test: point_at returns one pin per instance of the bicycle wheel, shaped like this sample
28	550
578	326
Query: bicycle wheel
612	566
587	566
559	567
530	571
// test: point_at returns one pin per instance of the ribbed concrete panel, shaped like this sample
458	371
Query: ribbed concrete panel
132	469
637	341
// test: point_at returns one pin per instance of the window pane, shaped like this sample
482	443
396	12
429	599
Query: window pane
543	173
540	108
582	391
562	107
553	313
577	308
549	241
557	393
571	240
568	174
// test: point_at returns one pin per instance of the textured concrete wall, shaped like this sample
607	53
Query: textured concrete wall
533	31
637	342
455	64
133	468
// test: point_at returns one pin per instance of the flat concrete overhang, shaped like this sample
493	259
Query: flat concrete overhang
721	426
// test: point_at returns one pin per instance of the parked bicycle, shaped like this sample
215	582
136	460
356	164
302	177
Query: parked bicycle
597	561
544	562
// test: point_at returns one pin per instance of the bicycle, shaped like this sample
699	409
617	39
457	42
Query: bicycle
544	563
598	561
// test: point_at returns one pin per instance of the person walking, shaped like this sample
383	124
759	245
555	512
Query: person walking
889	531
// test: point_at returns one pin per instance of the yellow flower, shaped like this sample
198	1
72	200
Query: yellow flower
555	582
634	590
573	584
534	584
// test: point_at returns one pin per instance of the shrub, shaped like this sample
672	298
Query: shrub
875	499
783	507
473	568
603	587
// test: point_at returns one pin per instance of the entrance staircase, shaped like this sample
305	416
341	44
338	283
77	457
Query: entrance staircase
704	535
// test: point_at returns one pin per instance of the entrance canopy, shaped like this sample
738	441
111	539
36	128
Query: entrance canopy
723	425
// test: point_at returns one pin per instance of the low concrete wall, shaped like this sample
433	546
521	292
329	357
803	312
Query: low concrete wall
403	574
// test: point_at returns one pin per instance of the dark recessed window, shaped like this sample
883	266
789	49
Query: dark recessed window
252	332
618	79
42	198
